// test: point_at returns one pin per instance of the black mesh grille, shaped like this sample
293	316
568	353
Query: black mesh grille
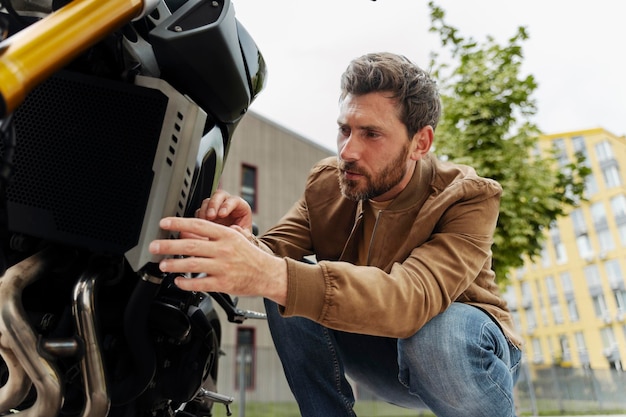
83	161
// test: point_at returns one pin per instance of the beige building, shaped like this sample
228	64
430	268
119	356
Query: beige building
268	166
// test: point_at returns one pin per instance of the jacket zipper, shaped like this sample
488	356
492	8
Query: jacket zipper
357	222
369	247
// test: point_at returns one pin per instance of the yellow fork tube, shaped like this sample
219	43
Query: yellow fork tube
38	51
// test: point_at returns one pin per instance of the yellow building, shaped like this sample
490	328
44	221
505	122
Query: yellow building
570	303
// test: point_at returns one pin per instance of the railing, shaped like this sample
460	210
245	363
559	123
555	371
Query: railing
540	390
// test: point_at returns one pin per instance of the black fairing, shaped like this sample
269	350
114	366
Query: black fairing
204	52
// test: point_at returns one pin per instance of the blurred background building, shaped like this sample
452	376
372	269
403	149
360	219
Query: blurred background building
268	166
571	303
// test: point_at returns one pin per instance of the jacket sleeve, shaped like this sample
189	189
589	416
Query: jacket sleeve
291	236
445	255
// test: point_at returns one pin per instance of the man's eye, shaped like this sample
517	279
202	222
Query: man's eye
345	131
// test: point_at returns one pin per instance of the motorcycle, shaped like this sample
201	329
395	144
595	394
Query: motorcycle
114	114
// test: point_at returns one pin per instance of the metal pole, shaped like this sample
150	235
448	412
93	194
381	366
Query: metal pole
241	358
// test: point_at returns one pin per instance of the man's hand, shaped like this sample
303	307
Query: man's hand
232	264
226	209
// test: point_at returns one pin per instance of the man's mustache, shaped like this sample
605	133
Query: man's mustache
350	167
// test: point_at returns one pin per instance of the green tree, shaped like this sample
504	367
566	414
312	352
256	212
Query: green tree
488	107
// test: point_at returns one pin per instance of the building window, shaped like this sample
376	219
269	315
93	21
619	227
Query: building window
591	185
566	283
543	313
249	185
604	152
551	286
584	247
621	230
572	311
509	297
566	355
605	241
557	313
610	347
592	274
558	246
612	177
598	215
614	274
600	308
578	220
618	205
527	297
245	368
545	256
620	301
516	319
537	351
616	282
558	145
581	346
578	143
599	218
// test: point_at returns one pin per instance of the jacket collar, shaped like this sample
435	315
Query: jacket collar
416	191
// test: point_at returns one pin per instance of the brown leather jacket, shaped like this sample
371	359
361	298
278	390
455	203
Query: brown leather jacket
430	247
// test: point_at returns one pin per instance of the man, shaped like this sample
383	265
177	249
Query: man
402	297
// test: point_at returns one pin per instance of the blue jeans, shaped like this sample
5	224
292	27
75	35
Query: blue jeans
458	364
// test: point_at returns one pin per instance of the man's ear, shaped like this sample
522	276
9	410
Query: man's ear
422	142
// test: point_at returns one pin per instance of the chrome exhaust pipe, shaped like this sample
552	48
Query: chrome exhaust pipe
97	400
18	385
18	337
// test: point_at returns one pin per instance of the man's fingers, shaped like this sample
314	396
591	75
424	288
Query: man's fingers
192	226
215	206
188	264
184	247
196	284
185	235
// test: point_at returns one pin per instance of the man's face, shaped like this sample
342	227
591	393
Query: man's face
373	148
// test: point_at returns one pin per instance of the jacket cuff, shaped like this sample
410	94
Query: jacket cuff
306	290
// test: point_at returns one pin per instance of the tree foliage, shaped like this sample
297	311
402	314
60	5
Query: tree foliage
487	124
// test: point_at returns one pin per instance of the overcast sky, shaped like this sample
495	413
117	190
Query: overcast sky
576	51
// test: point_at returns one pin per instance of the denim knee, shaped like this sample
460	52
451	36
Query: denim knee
460	363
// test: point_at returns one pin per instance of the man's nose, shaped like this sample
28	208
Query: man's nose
349	149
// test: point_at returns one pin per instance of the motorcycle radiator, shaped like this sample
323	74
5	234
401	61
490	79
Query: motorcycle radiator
99	174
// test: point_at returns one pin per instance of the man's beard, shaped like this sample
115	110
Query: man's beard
375	185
